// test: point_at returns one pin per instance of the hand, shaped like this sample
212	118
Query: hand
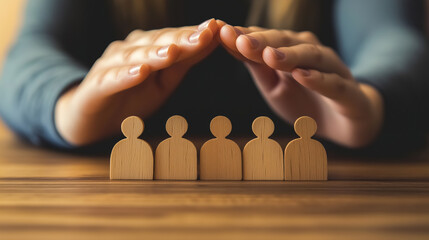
132	77
298	76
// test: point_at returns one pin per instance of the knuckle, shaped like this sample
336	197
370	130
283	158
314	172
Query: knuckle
134	34
315	52
255	28
274	31
116	73
100	77
146	52
285	39
180	35
127	54
113	46
308	36
98	63
330	51
340	87
157	34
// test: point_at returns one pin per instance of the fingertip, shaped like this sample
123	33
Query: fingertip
228	36
145	70
213	26
250	48
220	23
246	42
269	57
205	36
242	43
173	50
169	52
225	30
137	74
205	24
173	54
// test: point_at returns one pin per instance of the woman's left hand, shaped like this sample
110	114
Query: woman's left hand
299	76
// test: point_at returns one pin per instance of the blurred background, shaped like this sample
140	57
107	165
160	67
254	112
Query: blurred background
10	19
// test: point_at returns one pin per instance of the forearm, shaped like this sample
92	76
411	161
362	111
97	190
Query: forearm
35	75
389	55
41	65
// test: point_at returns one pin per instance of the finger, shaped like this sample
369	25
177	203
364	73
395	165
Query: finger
185	35
305	56
116	79
189	42
186	63
167	36
220	23
251	45
198	41
343	92
143	38
157	57
228	37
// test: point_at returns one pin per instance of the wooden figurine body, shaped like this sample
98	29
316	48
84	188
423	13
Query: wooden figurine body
305	158
131	158
263	157
220	158
176	157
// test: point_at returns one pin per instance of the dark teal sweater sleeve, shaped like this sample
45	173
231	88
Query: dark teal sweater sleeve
383	43
42	64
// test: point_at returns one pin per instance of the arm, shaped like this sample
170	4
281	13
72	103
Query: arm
386	49
298	75
42	63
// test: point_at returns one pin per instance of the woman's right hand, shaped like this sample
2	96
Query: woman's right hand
132	77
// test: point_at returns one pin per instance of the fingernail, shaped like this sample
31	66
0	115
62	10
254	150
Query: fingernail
204	25
134	71
237	31
254	43
162	52
279	55
304	72
194	37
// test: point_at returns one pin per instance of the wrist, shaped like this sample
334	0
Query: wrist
376	111
63	117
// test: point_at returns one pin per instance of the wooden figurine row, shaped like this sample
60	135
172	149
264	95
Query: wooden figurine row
220	158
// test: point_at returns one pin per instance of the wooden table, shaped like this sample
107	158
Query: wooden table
52	195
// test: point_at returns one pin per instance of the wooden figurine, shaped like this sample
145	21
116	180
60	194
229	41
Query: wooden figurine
131	158
220	158
176	157
305	158
263	157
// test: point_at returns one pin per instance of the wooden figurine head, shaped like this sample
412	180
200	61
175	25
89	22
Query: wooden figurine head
263	127
305	127
132	127
176	126
220	126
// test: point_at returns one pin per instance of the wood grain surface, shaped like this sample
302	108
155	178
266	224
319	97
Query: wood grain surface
46	194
